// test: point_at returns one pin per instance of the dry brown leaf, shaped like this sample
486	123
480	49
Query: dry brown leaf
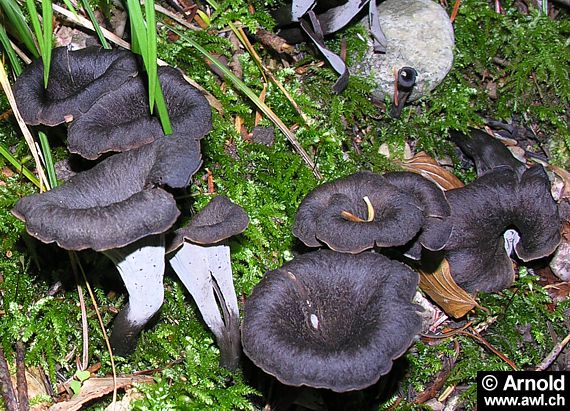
564	177
442	289
429	168
36	387
97	387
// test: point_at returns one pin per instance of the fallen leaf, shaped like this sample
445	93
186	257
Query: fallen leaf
36	387
98	387
443	289
563	182
125	403
429	168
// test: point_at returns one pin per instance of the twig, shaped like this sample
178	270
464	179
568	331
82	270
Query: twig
439	381
21	383
455	10
84	329
7	389
547	362
175	17
476	336
25	131
75	260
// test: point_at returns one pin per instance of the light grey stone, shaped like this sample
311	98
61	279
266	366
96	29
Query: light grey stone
420	35
560	263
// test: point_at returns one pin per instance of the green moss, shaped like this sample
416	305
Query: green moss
343	135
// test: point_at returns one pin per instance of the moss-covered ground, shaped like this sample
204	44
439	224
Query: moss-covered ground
523	55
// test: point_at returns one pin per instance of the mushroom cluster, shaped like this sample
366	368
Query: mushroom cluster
122	205
365	210
509	207
337	319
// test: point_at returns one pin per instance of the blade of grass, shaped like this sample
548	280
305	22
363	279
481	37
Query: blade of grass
14	61
48	159
20	168
70	6
241	86
89	11
151	40
265	71
144	43
43	36
44	183
76	262
16	18
47	41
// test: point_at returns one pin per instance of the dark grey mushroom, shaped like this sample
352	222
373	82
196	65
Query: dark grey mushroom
482	211
202	261
486	151
76	80
331	320
358	212
437	225
121	120
405	83
116	209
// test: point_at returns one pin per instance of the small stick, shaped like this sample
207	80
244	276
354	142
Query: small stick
21	383
475	335
547	362
6	385
455	10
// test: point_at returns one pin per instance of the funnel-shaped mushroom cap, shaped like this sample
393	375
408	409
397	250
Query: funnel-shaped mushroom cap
437	225
481	213
219	220
337	214
76	80
178	158
331	320
108	206
121	120
486	151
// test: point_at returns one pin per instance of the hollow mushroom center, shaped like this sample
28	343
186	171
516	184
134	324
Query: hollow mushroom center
347	215
328	320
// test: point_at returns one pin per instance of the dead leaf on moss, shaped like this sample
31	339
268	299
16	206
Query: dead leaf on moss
98	387
36	387
429	168
561	185
443	289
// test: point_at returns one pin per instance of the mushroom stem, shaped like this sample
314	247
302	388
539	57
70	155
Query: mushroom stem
141	266
207	274
370	210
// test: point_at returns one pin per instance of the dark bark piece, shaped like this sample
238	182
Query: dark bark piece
7	389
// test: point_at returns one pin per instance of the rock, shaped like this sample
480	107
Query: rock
419	35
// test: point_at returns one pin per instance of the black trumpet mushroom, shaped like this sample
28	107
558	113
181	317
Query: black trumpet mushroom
331	320
113	208
121	120
201	260
437	225
482	211
121	206
76	80
356	213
